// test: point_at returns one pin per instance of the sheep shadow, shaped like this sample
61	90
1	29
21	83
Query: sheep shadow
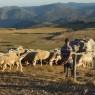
52	35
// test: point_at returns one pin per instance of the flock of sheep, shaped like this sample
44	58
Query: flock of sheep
20	56
86	47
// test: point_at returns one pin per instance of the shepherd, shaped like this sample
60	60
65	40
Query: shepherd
66	54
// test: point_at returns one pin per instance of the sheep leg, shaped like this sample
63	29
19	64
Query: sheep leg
4	67
20	67
10	67
92	65
50	63
84	65
56	61
41	62
34	63
17	66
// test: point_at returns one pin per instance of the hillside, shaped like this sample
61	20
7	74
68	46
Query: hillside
76	25
14	12
24	24
57	12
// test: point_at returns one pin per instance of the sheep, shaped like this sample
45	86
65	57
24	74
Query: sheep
86	60
9	59
35	56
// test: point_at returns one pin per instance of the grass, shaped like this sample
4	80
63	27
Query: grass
44	80
29	38
40	38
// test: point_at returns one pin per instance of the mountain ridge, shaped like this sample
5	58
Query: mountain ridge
51	13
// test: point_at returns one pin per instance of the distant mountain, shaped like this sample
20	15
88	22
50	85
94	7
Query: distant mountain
57	13
32	24
7	23
79	5
77	25
88	11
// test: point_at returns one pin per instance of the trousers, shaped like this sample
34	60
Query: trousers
67	66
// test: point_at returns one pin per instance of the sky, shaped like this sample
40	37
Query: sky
37	2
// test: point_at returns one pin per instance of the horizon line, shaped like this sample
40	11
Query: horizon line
47	4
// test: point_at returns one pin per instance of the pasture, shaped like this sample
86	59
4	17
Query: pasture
44	80
30	38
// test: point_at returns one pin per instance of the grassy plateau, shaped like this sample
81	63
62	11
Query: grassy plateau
44	80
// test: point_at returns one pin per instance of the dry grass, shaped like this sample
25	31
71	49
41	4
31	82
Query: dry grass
77	34
29	38
44	80
43	38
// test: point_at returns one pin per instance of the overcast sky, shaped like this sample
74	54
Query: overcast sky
37	2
